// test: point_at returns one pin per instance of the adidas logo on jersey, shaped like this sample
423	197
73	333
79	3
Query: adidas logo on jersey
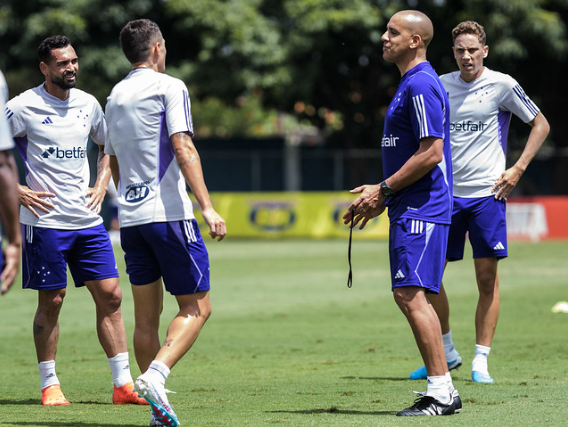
47	121
498	246
399	275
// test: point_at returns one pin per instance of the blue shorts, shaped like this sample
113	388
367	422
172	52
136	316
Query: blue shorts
47	252
172	250
485	222
417	253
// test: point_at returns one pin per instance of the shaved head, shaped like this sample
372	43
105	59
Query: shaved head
416	23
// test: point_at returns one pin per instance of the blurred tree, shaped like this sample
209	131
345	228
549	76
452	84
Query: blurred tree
320	60
527	39
91	25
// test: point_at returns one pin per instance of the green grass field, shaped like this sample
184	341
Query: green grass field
289	344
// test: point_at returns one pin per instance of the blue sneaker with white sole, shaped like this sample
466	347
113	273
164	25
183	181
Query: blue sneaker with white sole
479	377
421	374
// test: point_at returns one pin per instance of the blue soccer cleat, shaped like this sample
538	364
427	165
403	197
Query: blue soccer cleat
479	377
421	374
155	394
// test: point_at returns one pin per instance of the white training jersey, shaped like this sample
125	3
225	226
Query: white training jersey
6	141
142	112
480	114
51	136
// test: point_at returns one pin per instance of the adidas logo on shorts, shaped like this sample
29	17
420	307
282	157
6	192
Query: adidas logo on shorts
399	275
499	246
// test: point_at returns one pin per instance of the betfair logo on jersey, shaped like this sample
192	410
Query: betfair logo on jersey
389	141
58	153
468	126
136	192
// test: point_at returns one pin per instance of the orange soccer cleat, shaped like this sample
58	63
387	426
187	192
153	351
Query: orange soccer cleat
125	395
53	396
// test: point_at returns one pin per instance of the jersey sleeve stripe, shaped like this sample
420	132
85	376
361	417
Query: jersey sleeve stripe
526	100
420	112
187	111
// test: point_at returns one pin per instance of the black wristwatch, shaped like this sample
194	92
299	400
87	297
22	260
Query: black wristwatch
386	189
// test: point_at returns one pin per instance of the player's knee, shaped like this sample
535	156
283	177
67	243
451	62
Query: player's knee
486	282
50	304
401	299
206	312
112	299
203	311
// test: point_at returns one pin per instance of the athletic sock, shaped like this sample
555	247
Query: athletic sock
438	388
47	375
451	352
449	382
158	371
480	359
120	369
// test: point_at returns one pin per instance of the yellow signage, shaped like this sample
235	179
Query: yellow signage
300	215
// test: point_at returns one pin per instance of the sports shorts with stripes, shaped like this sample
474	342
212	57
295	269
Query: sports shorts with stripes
417	253
484	221
47	252
171	250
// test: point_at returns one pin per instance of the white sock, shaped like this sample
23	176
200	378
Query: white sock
159	371
480	360
120	369
47	375
451	352
438	389
449	382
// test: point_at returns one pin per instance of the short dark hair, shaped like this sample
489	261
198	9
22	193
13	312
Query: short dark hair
49	44
137	37
470	27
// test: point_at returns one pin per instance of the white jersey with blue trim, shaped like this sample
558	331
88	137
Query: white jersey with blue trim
52	135
480	114
142	112
6	141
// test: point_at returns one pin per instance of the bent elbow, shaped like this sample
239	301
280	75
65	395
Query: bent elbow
435	158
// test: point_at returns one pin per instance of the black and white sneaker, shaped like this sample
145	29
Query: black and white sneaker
427	405
457	401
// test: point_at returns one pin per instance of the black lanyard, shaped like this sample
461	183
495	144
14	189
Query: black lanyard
350	276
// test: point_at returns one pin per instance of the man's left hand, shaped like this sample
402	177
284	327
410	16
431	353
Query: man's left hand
95	198
506	183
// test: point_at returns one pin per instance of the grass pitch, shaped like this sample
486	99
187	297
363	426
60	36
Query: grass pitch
289	344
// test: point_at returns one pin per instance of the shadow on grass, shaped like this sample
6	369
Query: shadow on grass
67	424
333	410
454	379
38	402
376	378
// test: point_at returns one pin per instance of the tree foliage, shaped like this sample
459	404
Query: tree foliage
303	57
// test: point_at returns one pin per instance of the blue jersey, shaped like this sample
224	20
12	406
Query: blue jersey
420	109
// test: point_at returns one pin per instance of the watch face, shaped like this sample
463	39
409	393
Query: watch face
387	191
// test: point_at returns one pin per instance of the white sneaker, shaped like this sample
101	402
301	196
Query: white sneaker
155	394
